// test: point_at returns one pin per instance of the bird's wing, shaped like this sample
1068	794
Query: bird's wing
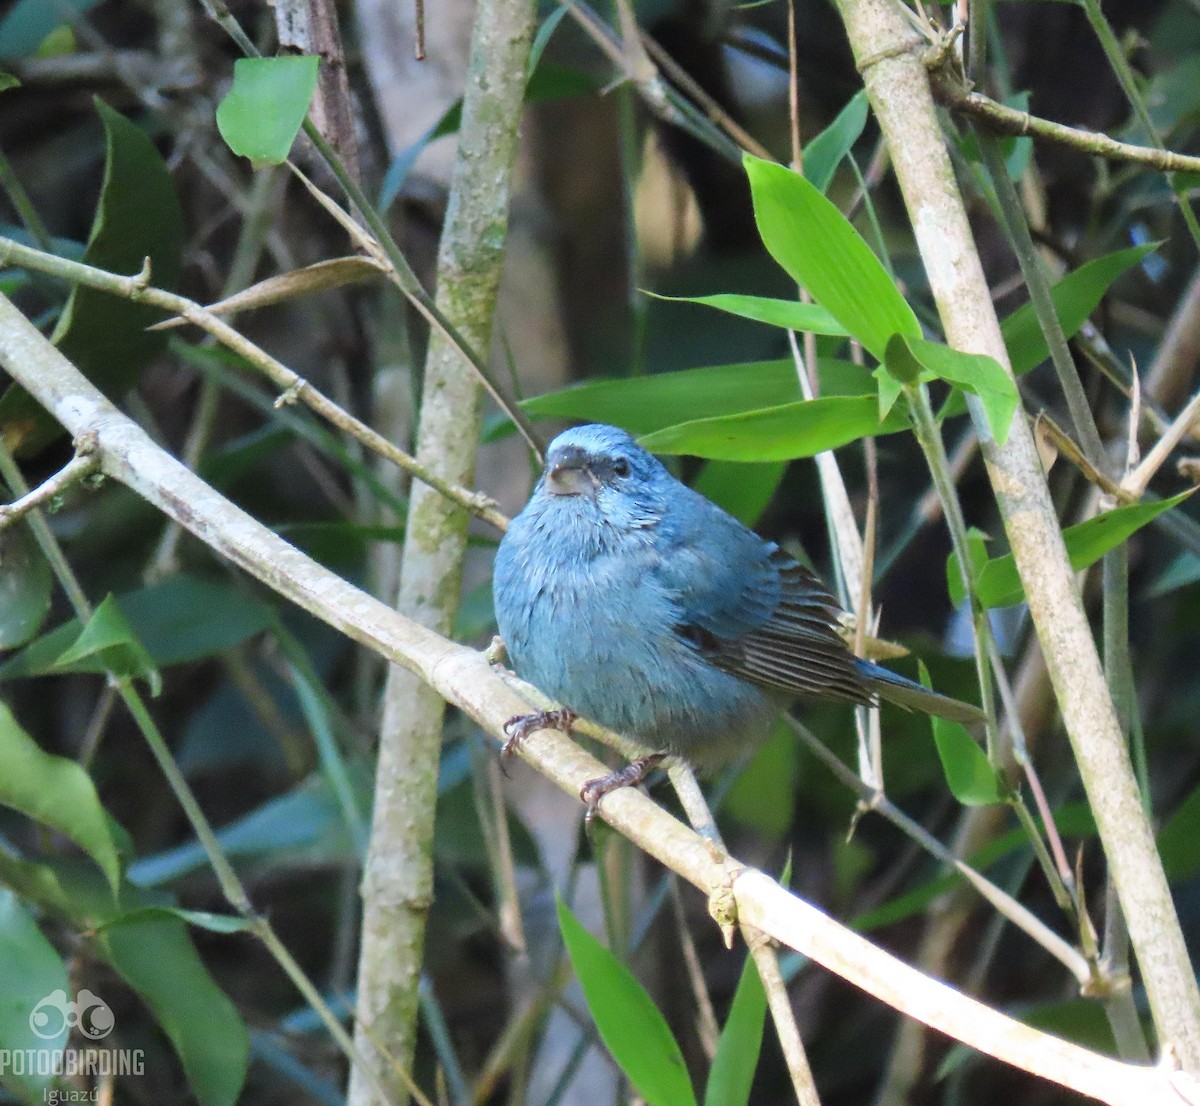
749	608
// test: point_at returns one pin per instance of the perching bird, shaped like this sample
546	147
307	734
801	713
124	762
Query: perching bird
635	601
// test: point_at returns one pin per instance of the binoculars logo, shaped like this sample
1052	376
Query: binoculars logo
89	1014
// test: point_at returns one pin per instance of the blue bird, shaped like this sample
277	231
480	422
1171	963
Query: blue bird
635	601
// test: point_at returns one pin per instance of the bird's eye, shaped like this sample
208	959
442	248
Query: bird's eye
620	467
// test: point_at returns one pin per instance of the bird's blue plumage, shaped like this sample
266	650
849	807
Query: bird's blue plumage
637	602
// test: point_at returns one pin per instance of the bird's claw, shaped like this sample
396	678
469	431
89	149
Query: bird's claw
630	776
520	726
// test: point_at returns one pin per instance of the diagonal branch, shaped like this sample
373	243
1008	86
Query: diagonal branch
465	679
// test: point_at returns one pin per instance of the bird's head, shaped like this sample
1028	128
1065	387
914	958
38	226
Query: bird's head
601	468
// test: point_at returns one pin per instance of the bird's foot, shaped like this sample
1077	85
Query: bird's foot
630	776
520	726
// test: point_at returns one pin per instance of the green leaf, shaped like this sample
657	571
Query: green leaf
967	770
32	971
185	618
1075	297
1179	840
179	619
158	960
732	1071
789	314
25	586
632	1029
644	403
977	544
263	110
55	792
777	433
824	153
28	22
1000	585
969	773
971	778
743	490
973	372
156	957
821	250
108	642
7	81
105	336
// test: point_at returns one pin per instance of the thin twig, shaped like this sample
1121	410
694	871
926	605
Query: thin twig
707	1028
1005	120
294	388
1137	481
83	464
680	76
1015	912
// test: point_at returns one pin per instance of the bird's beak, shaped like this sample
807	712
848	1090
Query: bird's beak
566	478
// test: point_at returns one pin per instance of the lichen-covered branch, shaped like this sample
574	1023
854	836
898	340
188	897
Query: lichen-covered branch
398	881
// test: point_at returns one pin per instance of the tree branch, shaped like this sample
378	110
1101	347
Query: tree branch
465	679
898	85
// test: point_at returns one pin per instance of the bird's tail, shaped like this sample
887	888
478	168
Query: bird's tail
911	695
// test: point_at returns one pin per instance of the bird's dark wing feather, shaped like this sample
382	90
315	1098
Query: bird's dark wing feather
750	609
797	648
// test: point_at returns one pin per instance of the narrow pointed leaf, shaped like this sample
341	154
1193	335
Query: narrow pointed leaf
633	1030
824	153
789	314
778	433
821	250
969	774
642	404
109	640
732	1071
137	217
971	779
157	958
1075	297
